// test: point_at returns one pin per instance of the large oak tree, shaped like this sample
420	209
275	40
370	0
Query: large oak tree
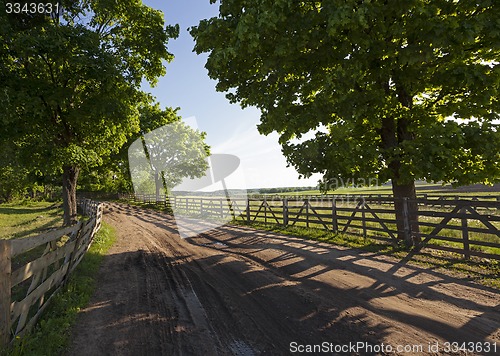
70	82
394	90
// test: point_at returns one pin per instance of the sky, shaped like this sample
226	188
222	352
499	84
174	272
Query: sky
229	128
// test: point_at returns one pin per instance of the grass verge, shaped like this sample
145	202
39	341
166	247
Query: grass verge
482	271
29	218
52	334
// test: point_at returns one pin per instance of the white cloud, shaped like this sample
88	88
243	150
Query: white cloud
262	161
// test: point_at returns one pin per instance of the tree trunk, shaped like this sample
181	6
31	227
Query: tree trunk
393	133
70	179
168	192
406	210
158	186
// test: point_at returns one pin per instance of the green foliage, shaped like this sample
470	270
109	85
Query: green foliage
70	82
13	183
18	181
13	176
73	83
166	151
399	90
177	152
177	140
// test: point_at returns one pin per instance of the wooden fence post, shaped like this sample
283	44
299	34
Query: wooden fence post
406	222
465	234
5	291
363	217
248	209
335	224
285	211
306	201
265	210
72	257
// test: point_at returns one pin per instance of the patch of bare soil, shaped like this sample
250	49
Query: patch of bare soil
239	291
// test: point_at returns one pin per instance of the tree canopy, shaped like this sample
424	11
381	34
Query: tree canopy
70	82
166	152
399	90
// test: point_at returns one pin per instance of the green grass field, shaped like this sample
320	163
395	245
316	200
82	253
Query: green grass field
422	188
27	219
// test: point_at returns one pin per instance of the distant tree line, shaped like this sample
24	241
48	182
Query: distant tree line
285	189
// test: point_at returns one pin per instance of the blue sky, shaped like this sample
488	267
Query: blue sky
229	128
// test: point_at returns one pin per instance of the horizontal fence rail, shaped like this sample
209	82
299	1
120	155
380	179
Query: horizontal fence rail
32	270
470	227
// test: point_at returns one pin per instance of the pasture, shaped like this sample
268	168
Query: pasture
29	218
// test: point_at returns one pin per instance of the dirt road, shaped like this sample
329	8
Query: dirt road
238	291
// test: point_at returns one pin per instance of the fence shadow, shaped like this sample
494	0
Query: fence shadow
316	265
346	281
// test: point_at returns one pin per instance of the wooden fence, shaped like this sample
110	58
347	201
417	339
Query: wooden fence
437	197
470	227
32	270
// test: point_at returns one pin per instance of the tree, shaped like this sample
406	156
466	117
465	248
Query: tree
13	177
166	152
71	81
392	90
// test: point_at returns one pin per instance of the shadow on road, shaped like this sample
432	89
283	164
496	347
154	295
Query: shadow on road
236	288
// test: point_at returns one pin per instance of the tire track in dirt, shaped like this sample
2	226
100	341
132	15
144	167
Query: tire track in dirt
238	291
